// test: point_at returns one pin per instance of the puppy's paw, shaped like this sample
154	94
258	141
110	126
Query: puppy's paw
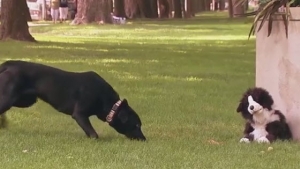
263	140
244	140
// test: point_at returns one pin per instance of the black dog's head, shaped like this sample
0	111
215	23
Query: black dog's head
126	121
254	100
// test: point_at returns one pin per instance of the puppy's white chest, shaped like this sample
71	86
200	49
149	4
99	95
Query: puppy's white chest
260	123
259	131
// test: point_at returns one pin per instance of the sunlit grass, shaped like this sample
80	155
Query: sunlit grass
183	77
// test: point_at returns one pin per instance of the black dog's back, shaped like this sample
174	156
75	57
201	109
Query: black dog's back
47	83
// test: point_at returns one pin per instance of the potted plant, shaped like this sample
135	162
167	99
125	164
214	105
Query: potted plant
277	28
269	10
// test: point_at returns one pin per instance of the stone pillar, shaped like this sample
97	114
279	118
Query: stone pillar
278	68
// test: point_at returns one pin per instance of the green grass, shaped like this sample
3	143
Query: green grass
184	78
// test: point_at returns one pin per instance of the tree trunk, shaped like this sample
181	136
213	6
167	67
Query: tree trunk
188	8
150	8
207	5
230	8
153	4
216	5
147	8
246	6
201	6
14	15
105	12
28	16
111	6
237	10
177	9
134	9
213	5
119	9
222	5
89	11
164	8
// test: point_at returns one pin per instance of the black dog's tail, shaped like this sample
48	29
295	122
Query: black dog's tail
3	67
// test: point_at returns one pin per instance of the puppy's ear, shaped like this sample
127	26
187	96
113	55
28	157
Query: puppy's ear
267	100
239	108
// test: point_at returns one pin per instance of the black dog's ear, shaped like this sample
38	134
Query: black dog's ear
123	114
125	102
239	108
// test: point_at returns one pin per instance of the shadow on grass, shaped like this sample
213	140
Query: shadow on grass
58	134
90	48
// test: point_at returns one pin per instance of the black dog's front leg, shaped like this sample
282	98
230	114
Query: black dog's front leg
84	122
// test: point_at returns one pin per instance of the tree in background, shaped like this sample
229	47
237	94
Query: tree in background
230	8
188	9
14	16
177	9
222	5
163	8
119	9
134	9
89	11
150	8
236	8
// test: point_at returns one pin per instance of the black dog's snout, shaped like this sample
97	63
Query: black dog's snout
251	107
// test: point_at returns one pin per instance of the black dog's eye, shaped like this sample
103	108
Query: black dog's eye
138	126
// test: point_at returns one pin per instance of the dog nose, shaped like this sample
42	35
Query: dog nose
251	107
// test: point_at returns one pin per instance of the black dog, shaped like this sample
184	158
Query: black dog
80	95
263	123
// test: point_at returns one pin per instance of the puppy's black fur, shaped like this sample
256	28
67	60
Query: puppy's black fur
80	95
277	129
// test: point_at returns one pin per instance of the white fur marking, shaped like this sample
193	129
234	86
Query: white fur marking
260	122
244	140
256	107
263	140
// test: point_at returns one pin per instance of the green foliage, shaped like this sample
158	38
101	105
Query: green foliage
268	11
263	2
295	3
184	78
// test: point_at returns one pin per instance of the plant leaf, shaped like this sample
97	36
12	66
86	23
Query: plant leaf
285	22
270	25
266	12
240	2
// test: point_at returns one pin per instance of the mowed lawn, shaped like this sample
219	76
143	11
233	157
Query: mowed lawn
183	77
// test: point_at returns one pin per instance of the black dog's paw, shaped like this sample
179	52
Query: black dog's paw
3	121
94	136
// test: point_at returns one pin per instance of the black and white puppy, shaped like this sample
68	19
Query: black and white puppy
263	123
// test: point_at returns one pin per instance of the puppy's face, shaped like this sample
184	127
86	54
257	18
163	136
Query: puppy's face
254	101
127	122
253	106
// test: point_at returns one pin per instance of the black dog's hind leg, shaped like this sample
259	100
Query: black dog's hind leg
84	122
5	105
3	121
